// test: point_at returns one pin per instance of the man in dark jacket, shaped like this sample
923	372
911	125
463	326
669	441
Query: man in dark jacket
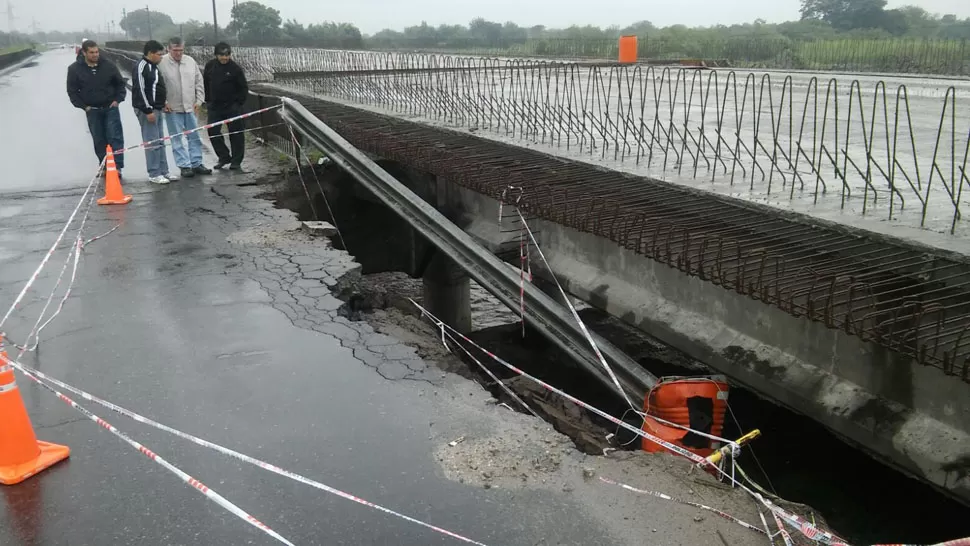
226	92
148	98
97	88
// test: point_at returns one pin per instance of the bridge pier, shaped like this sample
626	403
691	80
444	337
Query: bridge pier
447	293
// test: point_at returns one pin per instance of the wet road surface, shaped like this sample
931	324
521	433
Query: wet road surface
206	311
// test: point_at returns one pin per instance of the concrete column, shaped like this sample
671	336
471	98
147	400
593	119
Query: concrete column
447	293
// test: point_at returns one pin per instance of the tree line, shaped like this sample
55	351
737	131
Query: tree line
255	24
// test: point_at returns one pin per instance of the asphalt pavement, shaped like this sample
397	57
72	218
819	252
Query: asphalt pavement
206	310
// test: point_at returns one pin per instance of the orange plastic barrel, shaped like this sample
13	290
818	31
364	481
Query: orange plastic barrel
628	49
698	403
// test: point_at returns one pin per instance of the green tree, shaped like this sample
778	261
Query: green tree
196	32
640	28
136	24
485	33
846	14
256	24
423	35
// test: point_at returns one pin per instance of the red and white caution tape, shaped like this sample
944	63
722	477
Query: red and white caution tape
188	132
719	513
237	455
669	446
806	528
50	252
785	536
572	309
75	252
196	484
508	390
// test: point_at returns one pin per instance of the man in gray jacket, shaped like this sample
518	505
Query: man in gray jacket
186	92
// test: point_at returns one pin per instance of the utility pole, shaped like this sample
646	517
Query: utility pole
148	13
10	18
215	23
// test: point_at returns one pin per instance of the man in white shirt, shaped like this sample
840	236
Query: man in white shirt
186	92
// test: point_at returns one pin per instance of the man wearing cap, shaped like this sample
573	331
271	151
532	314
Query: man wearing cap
226	92
185	92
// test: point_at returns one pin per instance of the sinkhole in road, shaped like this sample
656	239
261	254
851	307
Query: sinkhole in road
860	498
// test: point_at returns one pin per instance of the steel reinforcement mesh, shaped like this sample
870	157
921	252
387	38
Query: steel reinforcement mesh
905	299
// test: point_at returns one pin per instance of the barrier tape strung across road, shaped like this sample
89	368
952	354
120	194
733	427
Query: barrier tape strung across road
50	252
237	455
196	484
94	181
76	249
675	448
35	374
663	496
188	132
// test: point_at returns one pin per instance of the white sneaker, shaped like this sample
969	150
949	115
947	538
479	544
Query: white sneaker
172	177
159	180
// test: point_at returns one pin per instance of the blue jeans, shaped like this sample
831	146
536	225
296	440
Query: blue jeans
105	127
155	154
178	122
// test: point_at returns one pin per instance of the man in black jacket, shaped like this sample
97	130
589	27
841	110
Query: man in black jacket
97	88
226	92
148	98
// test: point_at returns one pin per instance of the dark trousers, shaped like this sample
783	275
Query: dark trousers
237	140
105	127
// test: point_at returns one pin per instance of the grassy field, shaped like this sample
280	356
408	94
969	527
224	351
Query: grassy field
15	48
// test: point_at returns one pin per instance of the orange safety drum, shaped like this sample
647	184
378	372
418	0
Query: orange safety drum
695	402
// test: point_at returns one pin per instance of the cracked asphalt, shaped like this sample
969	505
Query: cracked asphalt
210	311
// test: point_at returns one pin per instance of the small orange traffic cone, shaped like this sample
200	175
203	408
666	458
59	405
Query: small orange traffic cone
113	195
21	454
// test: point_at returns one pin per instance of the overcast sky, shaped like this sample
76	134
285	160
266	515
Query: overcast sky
373	15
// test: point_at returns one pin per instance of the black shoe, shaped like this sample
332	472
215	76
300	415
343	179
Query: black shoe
235	167
187	172
220	165
201	169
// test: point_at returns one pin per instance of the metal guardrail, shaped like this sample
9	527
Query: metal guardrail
542	312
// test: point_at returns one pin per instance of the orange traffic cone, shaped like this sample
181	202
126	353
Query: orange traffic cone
21	454
113	195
